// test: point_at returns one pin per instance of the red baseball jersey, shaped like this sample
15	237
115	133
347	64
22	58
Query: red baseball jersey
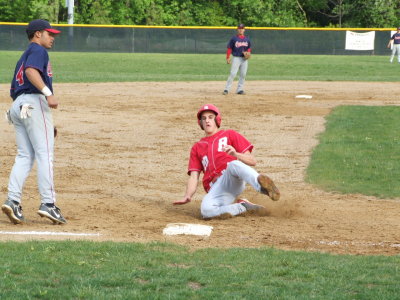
207	155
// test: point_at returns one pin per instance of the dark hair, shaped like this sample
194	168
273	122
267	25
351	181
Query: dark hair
31	34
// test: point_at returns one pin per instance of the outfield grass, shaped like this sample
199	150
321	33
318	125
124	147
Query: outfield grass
359	152
121	67
88	270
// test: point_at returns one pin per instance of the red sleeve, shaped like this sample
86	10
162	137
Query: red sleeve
194	162
239	142
228	52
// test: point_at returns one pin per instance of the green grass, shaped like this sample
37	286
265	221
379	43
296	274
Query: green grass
120	67
359	152
88	270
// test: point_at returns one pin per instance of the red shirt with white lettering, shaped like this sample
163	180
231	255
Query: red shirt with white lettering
207	155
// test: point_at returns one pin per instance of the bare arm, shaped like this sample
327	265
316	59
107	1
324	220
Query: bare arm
190	188
245	157
35	78
390	43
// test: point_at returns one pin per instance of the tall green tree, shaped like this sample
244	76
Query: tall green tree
375	13
264	13
129	12
92	11
27	10
260	13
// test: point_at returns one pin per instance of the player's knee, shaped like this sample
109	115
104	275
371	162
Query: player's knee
26	158
209	211
233	165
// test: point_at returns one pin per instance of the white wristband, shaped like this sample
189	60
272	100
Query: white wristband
46	91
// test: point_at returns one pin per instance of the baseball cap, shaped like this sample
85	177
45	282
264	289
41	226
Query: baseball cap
39	24
398	28
240	26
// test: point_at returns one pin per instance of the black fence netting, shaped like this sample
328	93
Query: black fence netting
189	40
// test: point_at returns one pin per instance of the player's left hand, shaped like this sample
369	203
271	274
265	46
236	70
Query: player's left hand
52	101
229	150
183	201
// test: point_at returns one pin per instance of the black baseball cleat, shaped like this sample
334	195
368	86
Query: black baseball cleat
225	92
241	93
13	210
268	187
52	212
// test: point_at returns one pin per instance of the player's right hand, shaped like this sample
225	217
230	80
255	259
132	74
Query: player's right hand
228	60
182	201
52	101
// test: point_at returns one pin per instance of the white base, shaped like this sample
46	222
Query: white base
189	229
303	97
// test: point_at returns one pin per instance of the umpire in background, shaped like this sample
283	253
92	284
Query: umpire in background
237	46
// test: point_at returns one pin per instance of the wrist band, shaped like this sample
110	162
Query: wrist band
46	91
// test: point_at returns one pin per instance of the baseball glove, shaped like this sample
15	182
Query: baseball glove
246	54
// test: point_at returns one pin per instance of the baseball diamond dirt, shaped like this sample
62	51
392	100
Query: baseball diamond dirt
121	158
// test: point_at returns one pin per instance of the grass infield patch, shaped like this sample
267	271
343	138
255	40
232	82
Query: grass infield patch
359	152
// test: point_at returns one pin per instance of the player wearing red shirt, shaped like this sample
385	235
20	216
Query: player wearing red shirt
224	156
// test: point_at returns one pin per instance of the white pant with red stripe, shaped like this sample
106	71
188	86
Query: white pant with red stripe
35	141
237	64
223	193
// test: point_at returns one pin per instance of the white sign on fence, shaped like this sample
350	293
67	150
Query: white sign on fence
360	41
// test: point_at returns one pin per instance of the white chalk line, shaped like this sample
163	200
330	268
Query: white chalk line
48	233
337	243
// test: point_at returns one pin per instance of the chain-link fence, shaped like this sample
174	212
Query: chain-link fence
142	39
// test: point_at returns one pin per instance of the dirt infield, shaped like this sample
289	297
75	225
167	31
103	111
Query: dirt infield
121	159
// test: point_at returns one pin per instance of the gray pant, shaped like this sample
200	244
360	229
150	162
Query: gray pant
223	193
237	64
396	48
35	141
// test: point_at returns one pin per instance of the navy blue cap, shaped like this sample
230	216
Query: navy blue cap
39	25
240	26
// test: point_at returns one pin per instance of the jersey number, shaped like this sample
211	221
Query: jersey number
20	75
222	143
204	162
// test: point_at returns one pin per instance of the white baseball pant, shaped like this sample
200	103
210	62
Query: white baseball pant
396	48
237	63
219	200
35	141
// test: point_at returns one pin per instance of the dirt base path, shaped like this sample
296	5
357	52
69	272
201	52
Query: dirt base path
121	159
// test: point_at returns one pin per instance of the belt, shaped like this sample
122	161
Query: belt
24	92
